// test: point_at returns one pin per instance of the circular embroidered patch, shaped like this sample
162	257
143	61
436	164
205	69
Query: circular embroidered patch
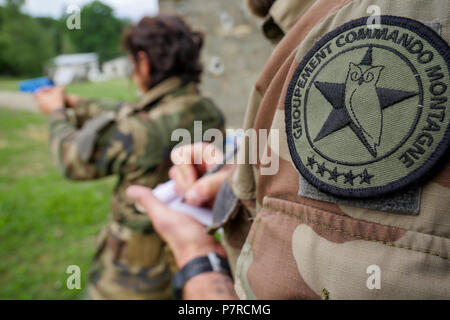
367	108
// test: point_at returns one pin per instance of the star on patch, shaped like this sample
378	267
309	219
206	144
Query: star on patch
334	174
365	177
349	177
321	168
352	106
311	162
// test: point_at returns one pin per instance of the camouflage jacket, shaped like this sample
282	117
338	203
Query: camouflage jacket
97	139
337	229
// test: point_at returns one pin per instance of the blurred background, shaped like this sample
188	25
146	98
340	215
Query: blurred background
46	222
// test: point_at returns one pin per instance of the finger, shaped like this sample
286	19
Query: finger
202	155
184	172
172	172
205	189
186	154
212	156
173	177
43	90
161	216
40	93
184	177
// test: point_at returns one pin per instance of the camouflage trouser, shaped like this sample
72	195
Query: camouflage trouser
130	265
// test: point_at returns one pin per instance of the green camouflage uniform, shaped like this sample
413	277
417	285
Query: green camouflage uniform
97	139
286	236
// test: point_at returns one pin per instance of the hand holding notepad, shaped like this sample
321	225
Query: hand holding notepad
166	194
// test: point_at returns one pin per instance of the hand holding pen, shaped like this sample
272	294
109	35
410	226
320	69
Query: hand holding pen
199	183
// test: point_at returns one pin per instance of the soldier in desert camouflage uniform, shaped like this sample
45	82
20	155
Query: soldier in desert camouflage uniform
372	222
92	139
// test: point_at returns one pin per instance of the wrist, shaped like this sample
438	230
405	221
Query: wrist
190	253
198	271
58	113
204	286
72	101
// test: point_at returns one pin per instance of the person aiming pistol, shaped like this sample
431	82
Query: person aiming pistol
92	139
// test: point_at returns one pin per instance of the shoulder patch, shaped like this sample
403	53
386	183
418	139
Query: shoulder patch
367	109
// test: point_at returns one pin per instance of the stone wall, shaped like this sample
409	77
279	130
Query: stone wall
235	51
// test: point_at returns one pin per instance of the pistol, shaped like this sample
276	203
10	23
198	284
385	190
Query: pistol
34	85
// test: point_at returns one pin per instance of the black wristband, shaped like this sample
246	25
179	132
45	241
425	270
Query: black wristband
209	263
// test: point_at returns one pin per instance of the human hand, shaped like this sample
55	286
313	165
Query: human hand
71	100
50	99
187	172
186	237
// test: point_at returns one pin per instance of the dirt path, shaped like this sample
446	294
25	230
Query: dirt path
17	100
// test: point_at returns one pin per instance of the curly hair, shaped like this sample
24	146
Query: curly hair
172	47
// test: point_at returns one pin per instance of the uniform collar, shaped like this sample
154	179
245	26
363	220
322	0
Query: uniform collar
158	91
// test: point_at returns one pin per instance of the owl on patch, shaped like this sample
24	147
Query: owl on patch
362	102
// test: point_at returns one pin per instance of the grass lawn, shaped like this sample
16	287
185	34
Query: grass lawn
46	222
116	89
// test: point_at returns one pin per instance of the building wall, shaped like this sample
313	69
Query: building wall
235	51
117	68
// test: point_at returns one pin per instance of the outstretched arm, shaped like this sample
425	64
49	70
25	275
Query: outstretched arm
99	148
87	109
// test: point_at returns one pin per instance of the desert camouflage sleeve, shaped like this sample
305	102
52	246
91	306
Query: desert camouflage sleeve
287	246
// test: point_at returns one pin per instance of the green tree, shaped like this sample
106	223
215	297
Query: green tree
56	29
100	31
15	4
25	45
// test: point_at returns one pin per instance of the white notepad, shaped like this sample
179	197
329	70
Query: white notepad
166	194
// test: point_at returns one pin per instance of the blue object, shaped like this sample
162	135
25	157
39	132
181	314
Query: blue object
34	85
